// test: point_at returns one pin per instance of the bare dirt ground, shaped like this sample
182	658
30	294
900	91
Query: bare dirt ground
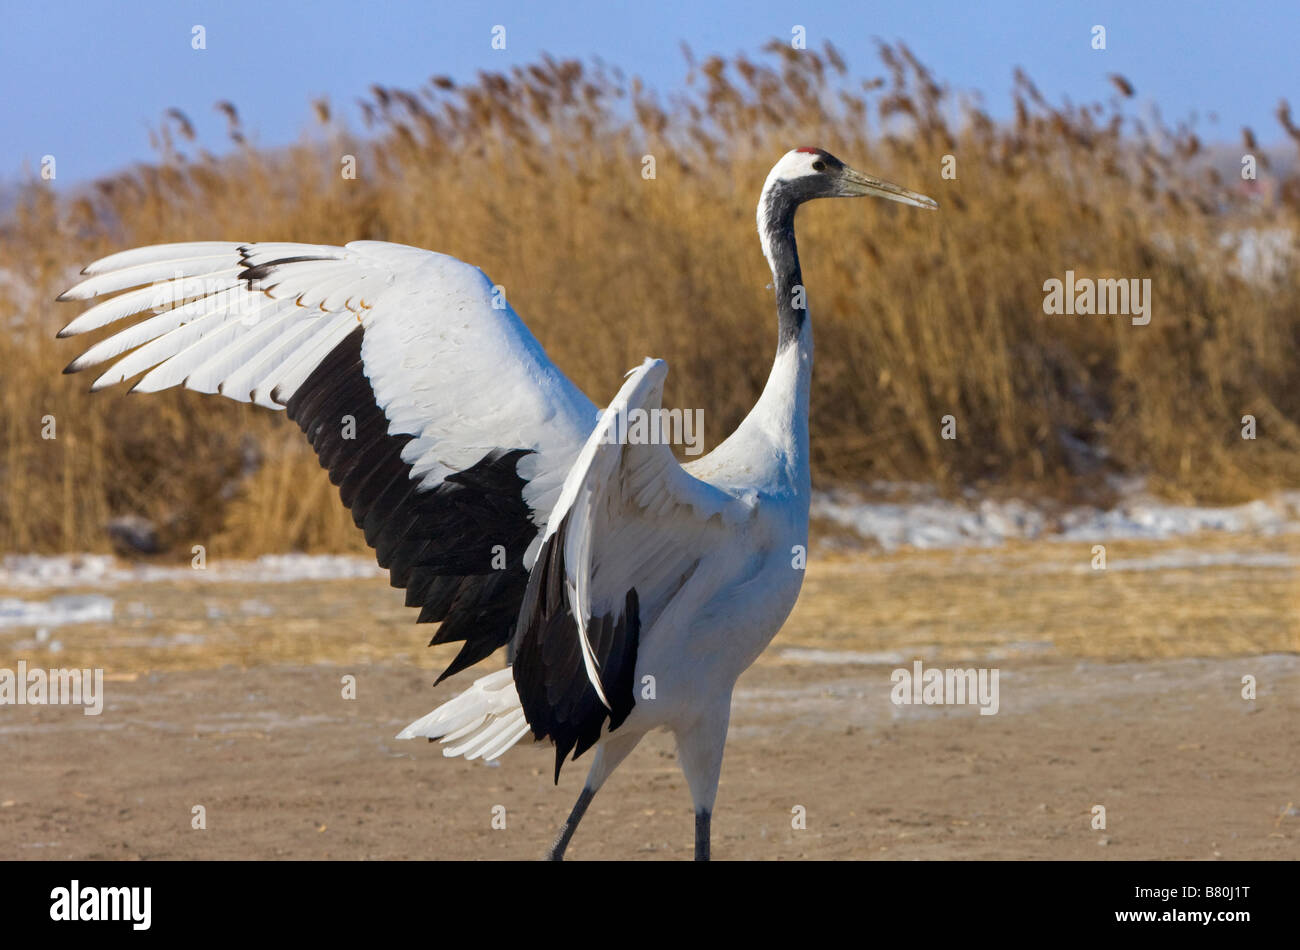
1119	688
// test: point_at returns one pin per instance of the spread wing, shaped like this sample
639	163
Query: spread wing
633	539
437	413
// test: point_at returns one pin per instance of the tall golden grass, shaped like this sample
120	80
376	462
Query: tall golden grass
537	176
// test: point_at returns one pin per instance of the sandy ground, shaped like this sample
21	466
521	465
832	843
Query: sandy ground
1122	690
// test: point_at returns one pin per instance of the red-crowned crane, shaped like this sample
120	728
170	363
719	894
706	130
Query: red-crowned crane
507	504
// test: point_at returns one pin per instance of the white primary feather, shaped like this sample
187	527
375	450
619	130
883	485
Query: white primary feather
110	281
171	253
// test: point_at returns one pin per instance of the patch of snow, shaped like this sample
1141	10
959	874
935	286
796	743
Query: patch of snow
1180	560
1259	254
55	612
1151	519
21	293
923	520
934	523
842	657
103	570
256	608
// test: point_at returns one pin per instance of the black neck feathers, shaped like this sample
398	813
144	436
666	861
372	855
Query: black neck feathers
779	205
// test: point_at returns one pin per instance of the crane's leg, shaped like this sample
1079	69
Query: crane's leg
700	749
702	835
609	754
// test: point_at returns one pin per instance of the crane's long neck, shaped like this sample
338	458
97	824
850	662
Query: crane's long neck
782	409
776	211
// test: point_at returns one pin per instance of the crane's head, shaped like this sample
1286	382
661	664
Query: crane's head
806	173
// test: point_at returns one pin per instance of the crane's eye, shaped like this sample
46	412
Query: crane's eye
819	166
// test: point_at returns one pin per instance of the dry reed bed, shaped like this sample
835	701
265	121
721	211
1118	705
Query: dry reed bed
537	177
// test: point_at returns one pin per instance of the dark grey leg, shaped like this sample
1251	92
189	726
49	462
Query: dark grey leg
702	835
571	824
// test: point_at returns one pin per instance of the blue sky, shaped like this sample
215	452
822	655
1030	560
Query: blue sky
84	81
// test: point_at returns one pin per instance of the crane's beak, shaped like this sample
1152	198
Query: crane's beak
854	184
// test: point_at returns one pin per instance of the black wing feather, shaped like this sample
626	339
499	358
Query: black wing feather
436	542
559	701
